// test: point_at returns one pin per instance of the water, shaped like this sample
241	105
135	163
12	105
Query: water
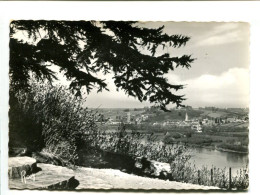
211	157
219	159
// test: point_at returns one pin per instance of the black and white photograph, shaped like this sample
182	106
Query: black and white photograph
136	105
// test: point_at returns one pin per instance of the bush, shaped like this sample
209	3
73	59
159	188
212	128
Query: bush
241	180
176	136
25	127
50	117
189	173
133	144
56	120
188	134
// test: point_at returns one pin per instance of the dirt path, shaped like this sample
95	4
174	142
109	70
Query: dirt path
90	178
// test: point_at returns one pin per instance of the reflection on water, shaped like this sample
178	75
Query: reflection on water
219	159
234	157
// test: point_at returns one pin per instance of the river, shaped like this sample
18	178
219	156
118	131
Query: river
219	159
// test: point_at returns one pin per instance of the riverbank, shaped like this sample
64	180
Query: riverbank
228	150
217	148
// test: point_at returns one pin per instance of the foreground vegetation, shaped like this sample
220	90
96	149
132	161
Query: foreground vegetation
51	119
213	176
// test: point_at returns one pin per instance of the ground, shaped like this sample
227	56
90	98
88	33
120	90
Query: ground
90	178
61	178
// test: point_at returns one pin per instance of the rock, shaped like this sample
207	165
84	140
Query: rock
151	168
18	164
50	177
57	177
159	168
16	151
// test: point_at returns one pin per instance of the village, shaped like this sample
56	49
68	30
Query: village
194	118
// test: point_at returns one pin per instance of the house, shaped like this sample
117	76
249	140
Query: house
197	128
231	120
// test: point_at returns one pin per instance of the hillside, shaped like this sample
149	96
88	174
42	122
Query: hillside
174	115
158	116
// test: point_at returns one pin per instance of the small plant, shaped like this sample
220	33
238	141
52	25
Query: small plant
241	180
189	173
133	144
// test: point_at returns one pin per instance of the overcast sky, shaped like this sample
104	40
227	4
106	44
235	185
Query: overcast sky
218	77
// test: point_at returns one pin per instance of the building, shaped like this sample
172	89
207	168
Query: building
231	119
186	117
128	117
197	128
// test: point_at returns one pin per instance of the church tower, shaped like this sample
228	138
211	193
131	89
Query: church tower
128	117
186	117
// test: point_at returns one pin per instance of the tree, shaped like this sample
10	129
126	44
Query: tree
83	48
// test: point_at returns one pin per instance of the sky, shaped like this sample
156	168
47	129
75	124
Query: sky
218	77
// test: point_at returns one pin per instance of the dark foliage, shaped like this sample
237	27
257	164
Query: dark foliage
83	48
50	119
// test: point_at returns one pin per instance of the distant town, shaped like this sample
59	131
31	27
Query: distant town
194	118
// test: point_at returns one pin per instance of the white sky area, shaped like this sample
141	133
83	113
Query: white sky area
218	77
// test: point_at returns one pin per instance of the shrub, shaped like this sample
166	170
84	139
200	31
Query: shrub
62	125
189	173
51	117
241	180
176	135
188	134
134	145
